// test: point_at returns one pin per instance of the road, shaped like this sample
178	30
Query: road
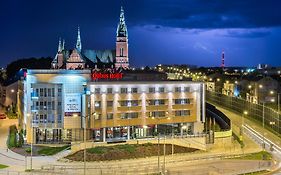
209	161
258	134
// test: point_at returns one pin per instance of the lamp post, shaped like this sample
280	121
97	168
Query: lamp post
278	106
85	145
242	124
31	143
263	144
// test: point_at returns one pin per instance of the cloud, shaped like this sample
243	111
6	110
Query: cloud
245	33
198	14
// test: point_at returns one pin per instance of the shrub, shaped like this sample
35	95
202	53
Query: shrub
28	150
97	150
127	147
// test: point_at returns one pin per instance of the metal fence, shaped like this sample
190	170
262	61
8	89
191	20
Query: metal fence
255	111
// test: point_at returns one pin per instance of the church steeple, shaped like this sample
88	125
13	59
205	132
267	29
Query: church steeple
60	46
122	50
78	43
63	43
122	28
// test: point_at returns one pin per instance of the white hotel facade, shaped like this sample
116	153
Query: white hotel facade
57	104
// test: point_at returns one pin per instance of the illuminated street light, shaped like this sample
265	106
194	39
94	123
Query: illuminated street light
271	92
12	90
236	82
218	79
260	86
272	100
249	86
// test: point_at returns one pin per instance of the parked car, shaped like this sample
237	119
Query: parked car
2	116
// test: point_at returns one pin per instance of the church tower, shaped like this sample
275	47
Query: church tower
78	42
122	59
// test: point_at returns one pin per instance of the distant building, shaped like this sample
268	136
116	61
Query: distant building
78	58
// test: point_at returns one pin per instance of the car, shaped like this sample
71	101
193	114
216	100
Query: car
3	116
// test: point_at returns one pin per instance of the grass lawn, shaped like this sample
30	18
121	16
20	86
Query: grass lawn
48	151
127	151
3	166
263	155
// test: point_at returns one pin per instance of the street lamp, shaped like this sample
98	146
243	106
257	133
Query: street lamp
263	144
242	124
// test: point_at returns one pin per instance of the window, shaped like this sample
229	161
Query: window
41	92
151	90
161	89
97	90
59	104
129	115
157	114
49	105
37	105
45	92
177	89
41	105
59	92
182	113
134	90
121	51
59	118
109	116
186	89
37	92
49	92
109	103
53	105
124	90
109	90
157	102
182	101
45	105
97	116
129	103
53	92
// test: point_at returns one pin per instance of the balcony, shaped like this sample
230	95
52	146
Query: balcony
157	108
126	108
182	106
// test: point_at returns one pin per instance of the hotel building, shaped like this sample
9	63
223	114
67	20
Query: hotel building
58	104
87	89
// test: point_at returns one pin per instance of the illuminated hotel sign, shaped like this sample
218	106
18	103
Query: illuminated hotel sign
106	76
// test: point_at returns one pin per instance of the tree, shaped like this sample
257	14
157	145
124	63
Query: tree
28	63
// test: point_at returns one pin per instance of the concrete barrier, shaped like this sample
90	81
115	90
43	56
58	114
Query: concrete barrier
223	134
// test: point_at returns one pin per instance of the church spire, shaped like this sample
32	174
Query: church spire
78	43
63	43
60	46
122	28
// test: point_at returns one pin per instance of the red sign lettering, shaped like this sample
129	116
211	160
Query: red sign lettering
115	76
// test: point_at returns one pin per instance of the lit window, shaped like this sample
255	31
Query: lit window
124	90
177	89
109	90
134	90
151	90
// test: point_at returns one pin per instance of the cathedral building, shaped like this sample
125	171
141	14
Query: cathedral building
78	58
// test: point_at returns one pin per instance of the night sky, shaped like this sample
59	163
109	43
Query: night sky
160	31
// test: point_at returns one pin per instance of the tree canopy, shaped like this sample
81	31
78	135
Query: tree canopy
28	63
